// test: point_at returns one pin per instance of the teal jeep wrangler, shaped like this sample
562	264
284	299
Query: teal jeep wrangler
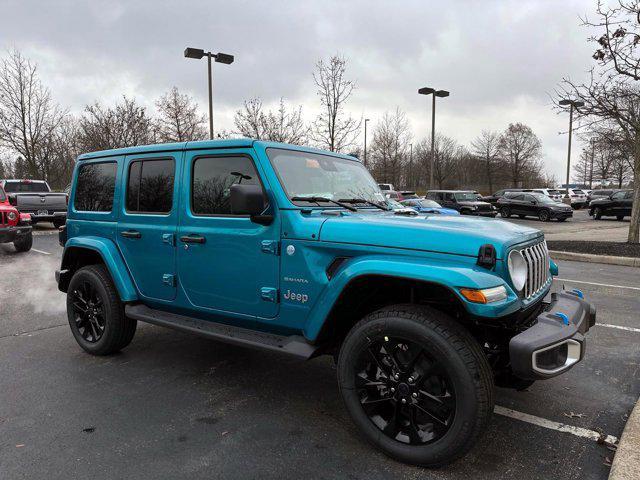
295	250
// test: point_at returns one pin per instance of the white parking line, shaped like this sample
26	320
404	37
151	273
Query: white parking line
40	251
560	427
596	284
619	327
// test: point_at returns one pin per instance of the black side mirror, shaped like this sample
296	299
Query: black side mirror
534	202
249	200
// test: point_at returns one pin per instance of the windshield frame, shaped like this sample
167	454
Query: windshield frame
307	204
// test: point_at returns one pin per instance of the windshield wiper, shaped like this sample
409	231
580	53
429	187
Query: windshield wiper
365	201
324	199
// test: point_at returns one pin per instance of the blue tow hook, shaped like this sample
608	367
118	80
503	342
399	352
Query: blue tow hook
562	317
578	293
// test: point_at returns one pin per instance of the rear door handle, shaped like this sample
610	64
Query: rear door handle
192	239
131	234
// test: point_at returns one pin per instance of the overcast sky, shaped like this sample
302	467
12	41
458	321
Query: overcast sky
500	59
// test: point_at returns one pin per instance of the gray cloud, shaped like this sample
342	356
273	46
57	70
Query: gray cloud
500	59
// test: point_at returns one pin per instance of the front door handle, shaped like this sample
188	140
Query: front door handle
131	234
192	239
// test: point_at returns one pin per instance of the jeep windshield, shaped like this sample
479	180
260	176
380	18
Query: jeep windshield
304	174
466	196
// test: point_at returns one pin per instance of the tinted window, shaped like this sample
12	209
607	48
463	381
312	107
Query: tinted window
618	195
517	197
95	185
499	193
28	187
629	195
150	186
212	180
449	197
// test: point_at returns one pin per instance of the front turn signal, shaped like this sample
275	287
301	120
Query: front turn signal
486	295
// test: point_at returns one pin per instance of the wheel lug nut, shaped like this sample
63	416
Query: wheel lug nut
410	379
393	390
404	400
414	395
396	376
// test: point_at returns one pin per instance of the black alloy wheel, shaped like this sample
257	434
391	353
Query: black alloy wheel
405	391
543	215
88	312
505	212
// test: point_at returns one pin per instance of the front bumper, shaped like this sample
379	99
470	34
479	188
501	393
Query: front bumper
489	213
9	234
50	216
556	342
561	214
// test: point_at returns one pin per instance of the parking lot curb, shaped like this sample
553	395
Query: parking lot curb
626	463
586	257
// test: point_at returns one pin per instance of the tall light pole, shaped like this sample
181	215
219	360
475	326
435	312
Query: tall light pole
410	182
572	104
436	93
198	53
365	141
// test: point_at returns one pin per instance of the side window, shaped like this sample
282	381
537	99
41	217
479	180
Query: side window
95	185
618	195
150	186
211	181
629	195
518	197
448	197
499	193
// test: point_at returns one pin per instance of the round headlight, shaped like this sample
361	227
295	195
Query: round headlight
517	269
12	216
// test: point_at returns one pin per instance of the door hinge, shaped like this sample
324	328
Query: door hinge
269	294
169	238
169	279
270	246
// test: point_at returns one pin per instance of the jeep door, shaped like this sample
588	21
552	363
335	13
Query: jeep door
226	262
616	204
148	221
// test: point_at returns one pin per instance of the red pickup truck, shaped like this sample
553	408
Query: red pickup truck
14	226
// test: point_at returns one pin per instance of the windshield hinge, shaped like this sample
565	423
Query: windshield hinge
270	246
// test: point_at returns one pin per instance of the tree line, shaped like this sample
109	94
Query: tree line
41	140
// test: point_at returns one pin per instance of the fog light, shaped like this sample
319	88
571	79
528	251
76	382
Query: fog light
487	295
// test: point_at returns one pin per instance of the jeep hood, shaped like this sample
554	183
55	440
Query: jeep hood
461	235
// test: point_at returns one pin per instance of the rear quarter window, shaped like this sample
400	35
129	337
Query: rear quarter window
95	186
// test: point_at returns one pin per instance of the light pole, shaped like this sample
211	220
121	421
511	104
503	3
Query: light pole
436	93
410	182
198	53
365	141
572	104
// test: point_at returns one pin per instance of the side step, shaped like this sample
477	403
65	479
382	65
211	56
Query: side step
293	345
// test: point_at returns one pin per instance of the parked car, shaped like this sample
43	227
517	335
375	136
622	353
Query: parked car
618	205
385	187
578	198
464	201
532	204
290	250
36	198
409	195
493	199
15	227
553	194
422	205
399	196
601	193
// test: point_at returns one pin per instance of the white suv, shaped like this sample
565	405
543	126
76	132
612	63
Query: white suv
578	198
555	195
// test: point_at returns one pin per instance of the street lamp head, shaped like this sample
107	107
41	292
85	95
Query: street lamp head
366	120
196	53
426	90
223	58
565	102
578	104
442	93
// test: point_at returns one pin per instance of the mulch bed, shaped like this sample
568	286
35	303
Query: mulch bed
616	249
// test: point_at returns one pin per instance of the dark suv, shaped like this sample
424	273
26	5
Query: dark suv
617	205
464	201
533	205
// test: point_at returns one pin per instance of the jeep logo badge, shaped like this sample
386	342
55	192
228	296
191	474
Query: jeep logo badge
296	297
291	249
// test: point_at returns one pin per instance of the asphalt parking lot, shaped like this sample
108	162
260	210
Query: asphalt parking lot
177	406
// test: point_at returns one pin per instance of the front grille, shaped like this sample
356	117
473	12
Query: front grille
484	208
537	258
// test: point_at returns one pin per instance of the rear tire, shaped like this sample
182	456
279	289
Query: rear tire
96	314
452	379
505	212
521	216
59	223
24	243
620	218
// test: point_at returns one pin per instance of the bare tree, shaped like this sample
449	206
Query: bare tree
521	150
284	125
389	148
179	119
334	129
487	148
127	124
28	115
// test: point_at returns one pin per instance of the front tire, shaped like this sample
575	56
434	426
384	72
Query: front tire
95	312
620	218
543	215
442	397
597	213
23	243
505	212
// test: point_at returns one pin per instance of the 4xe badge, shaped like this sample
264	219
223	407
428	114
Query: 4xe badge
296	297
